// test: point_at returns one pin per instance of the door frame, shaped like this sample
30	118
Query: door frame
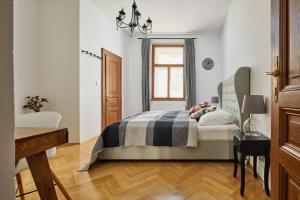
105	52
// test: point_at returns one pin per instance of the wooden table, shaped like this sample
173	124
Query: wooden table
32	143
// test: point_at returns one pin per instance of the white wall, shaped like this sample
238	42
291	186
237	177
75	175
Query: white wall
247	42
206	81
47	57
59	60
7	147
132	97
97	31
25	51
49	36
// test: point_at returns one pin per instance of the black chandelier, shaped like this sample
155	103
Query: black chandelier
134	22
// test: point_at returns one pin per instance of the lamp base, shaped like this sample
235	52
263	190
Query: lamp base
252	134
249	127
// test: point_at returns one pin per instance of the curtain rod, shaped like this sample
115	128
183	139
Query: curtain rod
167	38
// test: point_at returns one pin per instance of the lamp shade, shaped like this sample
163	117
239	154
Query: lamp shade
214	99
254	104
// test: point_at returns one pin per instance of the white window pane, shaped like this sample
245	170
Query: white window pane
169	55
160	82
176	82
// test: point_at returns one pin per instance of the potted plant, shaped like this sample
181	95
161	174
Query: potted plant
35	103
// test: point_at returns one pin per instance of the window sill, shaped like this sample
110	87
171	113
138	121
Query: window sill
170	99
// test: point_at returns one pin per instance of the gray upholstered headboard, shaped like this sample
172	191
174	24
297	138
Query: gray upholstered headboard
231	93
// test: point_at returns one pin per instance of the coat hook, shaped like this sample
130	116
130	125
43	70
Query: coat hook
83	51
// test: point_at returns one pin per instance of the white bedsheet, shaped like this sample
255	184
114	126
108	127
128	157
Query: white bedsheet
216	132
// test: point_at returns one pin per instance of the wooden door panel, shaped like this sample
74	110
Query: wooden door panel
289	185
290	126
293	128
113	102
288	160
292	97
111	88
113	72
285	148
293	186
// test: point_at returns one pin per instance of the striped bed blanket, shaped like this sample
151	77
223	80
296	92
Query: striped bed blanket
152	128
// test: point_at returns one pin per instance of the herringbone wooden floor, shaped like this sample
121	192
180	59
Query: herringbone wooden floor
145	180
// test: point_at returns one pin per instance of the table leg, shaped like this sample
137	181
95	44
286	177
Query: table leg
20	185
242	189
255	166
266	173
41	173
235	160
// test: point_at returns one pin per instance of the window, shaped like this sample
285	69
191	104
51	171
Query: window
167	73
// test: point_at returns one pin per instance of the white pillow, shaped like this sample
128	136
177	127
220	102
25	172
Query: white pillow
218	117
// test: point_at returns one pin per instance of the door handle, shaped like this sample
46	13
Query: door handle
275	66
274	73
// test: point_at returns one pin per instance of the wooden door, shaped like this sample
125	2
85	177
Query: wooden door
111	88
285	148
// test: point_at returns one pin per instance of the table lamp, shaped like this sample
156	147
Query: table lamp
214	99
252	104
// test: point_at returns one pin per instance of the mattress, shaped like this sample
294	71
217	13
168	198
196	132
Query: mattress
214	143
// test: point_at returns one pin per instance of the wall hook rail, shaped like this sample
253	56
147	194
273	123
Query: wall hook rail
90	54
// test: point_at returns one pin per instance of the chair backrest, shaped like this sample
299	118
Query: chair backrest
39	119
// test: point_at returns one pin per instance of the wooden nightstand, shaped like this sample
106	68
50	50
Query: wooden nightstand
251	146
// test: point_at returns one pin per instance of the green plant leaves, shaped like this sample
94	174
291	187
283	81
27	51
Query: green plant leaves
35	103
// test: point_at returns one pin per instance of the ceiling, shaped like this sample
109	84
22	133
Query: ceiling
175	16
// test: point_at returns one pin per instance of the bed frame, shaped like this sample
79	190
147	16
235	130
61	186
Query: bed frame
231	93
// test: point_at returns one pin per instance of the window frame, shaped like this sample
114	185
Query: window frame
168	98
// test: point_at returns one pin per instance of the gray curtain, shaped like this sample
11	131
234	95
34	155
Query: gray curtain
145	74
190	73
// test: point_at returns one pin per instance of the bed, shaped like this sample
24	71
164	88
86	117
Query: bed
191	141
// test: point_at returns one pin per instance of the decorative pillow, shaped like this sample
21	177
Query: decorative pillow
198	114
198	107
219	117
